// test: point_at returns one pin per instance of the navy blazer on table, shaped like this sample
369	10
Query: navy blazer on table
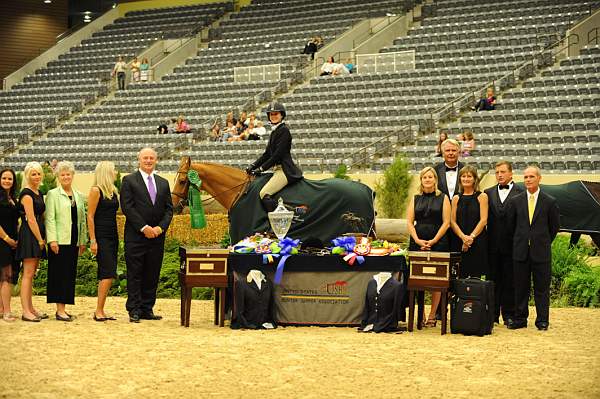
138	208
536	238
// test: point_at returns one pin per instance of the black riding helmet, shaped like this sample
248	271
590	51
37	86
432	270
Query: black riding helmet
275	107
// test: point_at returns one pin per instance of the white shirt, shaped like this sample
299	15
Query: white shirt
328	67
381	278
503	194
451	176
145	177
120	66
260	131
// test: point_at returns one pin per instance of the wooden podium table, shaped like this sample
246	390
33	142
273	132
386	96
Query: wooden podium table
203	267
430	271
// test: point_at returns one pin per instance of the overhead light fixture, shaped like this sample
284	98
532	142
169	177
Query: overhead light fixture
47	1
87	12
114	5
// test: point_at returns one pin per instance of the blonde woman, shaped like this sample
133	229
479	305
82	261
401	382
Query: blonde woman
468	220
66	230
103	204
428	220
31	244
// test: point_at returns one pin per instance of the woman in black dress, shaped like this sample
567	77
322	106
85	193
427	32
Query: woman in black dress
103	204
31	245
9	217
469	219
428	219
66	230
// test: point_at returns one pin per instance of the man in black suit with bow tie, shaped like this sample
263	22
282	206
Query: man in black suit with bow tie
146	204
447	171
533	219
500	241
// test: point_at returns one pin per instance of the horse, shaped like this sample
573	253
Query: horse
323	209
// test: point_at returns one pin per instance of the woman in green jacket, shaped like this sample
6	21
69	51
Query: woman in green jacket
66	233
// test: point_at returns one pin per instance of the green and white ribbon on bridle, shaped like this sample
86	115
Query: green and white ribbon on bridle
197	218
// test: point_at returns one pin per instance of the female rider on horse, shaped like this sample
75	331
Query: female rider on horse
276	156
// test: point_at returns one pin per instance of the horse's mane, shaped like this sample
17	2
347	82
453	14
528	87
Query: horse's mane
218	165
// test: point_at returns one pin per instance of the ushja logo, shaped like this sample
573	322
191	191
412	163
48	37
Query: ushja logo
337	288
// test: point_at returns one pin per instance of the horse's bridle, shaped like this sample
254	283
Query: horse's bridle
183	200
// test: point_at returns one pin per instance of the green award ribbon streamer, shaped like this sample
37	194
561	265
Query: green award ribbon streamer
197	218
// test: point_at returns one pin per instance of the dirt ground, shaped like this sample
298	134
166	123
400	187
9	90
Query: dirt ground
156	359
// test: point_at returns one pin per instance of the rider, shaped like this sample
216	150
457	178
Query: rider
276	156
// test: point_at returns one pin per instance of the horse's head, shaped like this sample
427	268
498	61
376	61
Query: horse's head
182	184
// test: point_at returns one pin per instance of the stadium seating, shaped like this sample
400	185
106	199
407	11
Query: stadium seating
78	77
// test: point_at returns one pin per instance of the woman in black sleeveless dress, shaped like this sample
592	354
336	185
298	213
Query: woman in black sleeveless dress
469	220
103	204
32	245
428	220
9	217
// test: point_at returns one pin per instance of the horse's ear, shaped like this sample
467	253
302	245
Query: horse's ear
186	161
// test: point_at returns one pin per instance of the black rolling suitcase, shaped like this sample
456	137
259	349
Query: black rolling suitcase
472	307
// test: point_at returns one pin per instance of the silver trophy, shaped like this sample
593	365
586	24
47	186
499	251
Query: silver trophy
280	219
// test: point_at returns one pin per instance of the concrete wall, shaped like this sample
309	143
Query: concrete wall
175	58
385	36
60	48
582	29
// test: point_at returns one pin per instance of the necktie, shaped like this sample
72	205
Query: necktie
531	207
503	187
151	189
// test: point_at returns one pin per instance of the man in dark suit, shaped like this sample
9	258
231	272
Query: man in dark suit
146	204
500	242
447	172
533	218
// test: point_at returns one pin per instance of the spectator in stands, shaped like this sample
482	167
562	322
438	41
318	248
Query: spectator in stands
349	65
469	221
144	70
438	147
488	103
328	66
311	48
256	132
53	164
428	220
66	230
31	245
135	70
230	130
215	133
103	203
9	219
229	117
182	125
468	145
119	72
244	119
340	69
168	126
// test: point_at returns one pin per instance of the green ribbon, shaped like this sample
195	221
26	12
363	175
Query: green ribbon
197	217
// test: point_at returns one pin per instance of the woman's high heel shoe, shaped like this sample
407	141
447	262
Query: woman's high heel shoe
430	323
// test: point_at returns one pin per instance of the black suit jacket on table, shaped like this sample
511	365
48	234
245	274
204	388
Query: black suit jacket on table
499	237
138	208
440	169
278	152
536	238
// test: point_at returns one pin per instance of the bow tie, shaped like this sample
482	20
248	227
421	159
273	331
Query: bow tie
449	169
503	186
